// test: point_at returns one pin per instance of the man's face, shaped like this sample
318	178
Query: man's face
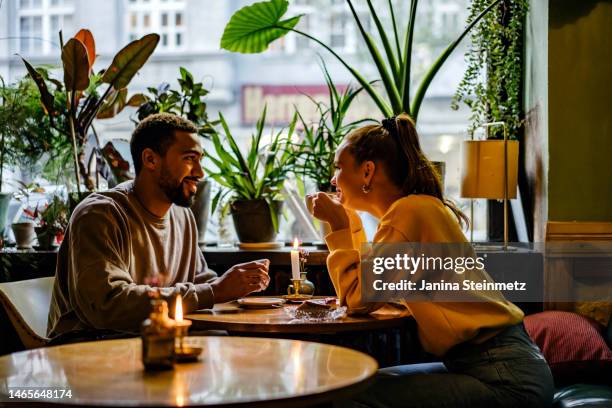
181	169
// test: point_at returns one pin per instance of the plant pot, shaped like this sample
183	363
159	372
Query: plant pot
482	173
5	200
253	221
200	208
46	238
24	234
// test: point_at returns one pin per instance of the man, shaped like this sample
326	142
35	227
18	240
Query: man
142	231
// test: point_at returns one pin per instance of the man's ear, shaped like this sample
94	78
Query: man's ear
150	159
368	170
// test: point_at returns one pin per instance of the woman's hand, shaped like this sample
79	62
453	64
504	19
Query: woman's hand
325	208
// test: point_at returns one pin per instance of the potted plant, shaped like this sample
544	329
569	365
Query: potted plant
23	229
81	86
187	101
52	222
252	28
29	142
491	88
251	185
321	139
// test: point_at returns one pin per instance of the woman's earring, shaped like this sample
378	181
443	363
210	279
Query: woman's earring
366	188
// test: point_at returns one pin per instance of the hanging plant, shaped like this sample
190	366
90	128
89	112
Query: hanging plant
492	84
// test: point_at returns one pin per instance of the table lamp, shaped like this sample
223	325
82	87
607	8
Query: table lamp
490	170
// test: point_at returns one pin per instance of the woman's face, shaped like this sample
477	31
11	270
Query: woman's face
349	179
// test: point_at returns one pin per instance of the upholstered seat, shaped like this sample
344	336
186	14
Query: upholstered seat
27	305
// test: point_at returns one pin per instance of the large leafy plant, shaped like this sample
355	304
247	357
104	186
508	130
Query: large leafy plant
492	84
81	86
260	174
187	101
252	29
28	139
321	139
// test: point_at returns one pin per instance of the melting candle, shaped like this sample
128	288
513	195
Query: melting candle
295	260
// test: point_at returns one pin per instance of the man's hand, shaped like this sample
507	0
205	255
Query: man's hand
240	280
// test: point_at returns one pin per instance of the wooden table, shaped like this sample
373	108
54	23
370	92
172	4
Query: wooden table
231	317
232	372
390	339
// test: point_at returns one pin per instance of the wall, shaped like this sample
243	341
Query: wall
569	128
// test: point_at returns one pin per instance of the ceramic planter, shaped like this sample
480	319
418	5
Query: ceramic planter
5	200
46	238
253	221
200	208
24	234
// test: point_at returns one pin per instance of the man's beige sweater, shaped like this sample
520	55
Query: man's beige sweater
112	248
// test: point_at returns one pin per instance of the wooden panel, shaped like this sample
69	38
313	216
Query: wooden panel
559	272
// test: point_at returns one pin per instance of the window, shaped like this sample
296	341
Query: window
30	33
161	16
39	22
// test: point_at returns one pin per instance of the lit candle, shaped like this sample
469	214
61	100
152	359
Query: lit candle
181	325
295	260
178	310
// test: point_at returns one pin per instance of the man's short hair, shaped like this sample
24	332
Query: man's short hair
156	132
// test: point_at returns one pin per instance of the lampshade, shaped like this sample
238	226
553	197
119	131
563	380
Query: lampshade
482	173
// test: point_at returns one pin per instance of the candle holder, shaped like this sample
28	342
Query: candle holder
294	291
184	354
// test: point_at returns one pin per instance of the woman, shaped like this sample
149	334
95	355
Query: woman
488	359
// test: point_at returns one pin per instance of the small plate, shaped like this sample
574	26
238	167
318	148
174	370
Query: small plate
260	302
261	245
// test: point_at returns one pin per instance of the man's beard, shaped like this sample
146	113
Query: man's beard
175	190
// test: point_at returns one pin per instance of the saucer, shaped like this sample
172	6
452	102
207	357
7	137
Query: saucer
261	245
260	302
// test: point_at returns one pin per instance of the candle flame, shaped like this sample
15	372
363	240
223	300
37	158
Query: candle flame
178	311
296	244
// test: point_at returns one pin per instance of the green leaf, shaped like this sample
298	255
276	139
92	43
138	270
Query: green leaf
252	28
46	97
76	65
137	99
114	104
129	60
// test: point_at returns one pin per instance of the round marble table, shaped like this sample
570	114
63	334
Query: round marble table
231	372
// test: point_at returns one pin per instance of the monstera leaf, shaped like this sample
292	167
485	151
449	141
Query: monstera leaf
129	60
252	28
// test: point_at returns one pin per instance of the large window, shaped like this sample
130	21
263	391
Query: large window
40	22
165	17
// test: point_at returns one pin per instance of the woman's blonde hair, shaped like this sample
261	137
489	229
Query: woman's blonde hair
395	145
